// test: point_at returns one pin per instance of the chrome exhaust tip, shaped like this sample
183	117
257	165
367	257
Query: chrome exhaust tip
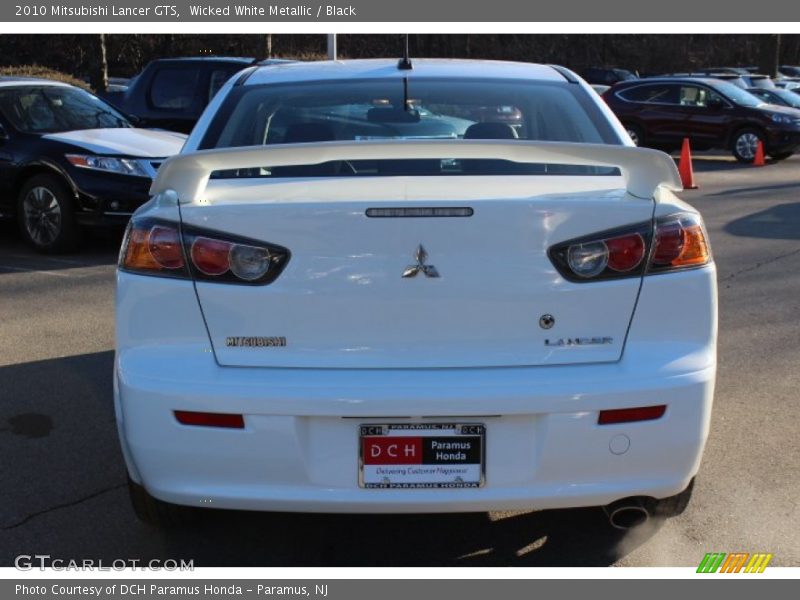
627	513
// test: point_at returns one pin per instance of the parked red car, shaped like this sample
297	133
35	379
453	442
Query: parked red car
713	114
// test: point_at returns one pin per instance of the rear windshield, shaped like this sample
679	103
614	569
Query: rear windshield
408	110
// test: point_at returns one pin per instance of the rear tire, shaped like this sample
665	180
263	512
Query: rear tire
157	513
672	506
46	214
745	142
636	134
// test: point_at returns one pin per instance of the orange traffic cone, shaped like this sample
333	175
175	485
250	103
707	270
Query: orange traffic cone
685	166
759	161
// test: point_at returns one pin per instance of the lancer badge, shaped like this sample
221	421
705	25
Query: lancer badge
413	270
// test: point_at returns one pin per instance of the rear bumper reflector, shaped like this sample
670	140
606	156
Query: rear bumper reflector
203	419
630	415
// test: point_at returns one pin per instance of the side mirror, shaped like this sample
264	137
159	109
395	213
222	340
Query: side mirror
716	104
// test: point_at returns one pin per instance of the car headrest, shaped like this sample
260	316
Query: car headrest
298	133
490	131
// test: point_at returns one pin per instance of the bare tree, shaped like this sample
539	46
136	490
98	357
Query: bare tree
98	75
84	55
769	54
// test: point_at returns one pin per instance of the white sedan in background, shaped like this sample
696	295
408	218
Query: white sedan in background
357	289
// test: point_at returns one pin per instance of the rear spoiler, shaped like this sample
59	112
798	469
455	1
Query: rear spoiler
643	170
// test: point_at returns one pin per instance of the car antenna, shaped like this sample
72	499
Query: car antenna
405	94
404	64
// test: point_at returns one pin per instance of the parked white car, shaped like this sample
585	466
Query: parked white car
349	294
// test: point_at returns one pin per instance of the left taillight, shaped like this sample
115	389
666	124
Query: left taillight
162	248
153	248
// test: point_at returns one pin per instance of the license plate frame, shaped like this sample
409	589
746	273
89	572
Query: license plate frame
451	473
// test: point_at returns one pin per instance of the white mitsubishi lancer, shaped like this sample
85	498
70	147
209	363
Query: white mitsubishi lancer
438	286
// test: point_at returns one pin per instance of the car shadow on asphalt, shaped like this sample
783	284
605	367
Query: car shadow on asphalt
757	191
574	537
712	164
63	478
781	222
99	247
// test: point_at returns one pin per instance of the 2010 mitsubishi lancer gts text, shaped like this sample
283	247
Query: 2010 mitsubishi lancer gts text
372	286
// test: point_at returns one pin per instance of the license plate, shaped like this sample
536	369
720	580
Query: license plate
421	455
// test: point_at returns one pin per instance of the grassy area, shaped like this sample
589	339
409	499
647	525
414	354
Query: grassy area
42	73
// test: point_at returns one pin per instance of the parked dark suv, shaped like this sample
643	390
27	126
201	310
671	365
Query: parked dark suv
660	112
171	93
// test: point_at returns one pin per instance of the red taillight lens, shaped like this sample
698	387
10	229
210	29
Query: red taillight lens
625	253
204	419
669	243
164	244
630	415
211	257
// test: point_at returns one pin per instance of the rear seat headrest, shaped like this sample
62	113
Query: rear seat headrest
298	133
490	131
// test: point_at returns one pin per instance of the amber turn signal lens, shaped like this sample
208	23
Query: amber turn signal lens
137	253
695	248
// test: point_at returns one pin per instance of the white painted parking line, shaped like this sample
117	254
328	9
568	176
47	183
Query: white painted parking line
43	272
63	261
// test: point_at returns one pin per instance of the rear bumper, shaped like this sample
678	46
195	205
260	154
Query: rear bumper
299	448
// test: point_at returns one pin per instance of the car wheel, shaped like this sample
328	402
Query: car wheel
636	134
780	155
158	513
745	143
674	505
46	215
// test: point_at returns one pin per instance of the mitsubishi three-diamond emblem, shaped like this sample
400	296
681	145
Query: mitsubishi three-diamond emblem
413	270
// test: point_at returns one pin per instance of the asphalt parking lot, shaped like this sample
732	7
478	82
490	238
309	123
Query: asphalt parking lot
62	481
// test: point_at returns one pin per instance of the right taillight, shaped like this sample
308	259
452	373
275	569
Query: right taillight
165	249
677	241
680	241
